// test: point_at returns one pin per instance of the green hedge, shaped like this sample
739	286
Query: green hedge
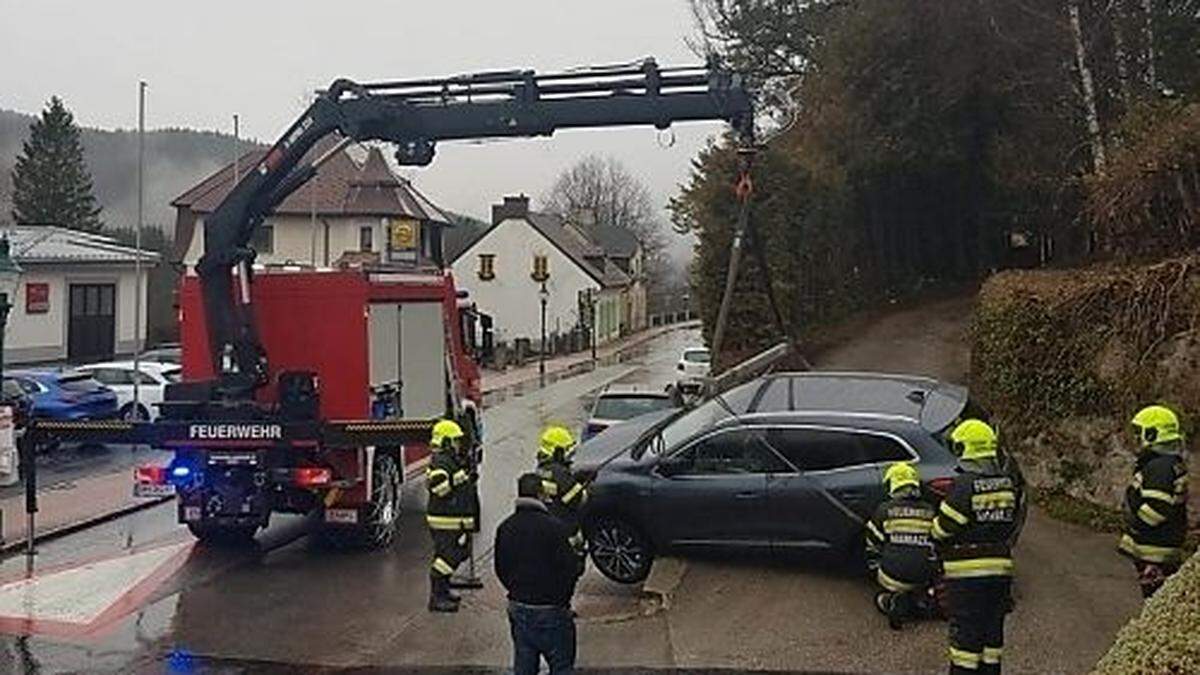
1165	638
1054	344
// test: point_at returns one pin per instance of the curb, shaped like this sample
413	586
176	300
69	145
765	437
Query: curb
9	548
585	365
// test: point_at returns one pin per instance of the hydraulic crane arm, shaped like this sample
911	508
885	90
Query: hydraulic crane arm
415	115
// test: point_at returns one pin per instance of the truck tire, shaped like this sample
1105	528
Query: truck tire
227	536
378	519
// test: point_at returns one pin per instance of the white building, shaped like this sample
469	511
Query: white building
496	269
76	298
349	213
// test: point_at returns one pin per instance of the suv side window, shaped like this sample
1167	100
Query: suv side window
825	449
737	451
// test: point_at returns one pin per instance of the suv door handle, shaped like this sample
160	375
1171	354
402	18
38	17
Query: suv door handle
852	495
749	495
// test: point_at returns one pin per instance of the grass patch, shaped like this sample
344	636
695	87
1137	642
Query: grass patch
1067	508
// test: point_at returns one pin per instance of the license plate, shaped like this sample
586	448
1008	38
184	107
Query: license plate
152	490
233	458
343	516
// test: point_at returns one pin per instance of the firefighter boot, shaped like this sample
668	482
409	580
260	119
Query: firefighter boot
440	599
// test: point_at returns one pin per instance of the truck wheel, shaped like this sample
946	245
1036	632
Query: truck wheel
224	535
620	551
377	519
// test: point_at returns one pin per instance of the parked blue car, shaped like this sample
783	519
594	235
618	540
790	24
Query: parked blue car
66	395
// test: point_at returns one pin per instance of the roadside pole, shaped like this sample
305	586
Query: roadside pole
136	407
31	505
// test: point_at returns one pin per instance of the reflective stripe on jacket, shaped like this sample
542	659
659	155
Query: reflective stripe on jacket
1156	508
451	504
976	522
899	533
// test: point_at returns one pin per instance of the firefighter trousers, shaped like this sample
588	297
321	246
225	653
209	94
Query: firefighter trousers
449	551
977	607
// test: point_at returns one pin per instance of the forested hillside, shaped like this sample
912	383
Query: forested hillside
176	159
937	141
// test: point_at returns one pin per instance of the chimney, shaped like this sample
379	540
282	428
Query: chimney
513	207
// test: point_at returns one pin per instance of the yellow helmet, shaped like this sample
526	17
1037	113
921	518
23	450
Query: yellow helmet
442	431
1156	424
556	443
901	475
974	439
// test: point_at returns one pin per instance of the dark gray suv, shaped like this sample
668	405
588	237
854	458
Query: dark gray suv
788	461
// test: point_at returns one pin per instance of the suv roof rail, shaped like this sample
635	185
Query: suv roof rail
864	375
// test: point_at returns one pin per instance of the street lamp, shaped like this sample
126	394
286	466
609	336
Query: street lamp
591	299
540	275
544	296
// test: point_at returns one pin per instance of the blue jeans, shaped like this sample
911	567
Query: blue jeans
542	632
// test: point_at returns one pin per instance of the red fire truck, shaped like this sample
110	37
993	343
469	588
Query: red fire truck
361	362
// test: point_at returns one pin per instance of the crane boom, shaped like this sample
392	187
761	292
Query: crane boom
414	115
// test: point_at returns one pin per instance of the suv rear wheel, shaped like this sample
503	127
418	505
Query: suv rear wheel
620	551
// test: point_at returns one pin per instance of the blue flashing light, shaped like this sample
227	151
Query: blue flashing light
181	472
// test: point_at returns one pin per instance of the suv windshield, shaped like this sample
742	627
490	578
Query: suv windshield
628	406
708	414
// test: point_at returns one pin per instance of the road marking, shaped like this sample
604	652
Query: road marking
87	598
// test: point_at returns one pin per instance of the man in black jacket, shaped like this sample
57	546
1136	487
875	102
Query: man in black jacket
538	567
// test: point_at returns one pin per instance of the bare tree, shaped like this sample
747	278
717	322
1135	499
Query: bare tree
607	190
604	189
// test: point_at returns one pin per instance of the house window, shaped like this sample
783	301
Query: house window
487	269
366	238
264	239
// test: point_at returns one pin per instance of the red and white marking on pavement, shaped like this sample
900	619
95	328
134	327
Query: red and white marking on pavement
84	599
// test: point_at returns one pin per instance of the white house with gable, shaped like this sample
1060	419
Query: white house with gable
496	269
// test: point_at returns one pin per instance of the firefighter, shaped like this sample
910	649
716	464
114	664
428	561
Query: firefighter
564	495
450	511
974	529
1156	499
899	547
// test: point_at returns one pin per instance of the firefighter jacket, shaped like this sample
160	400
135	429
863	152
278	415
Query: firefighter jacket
977	522
563	494
899	537
451	495
1156	508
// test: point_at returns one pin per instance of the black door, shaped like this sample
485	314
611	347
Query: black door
92	327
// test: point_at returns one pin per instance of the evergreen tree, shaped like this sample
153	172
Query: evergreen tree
51	181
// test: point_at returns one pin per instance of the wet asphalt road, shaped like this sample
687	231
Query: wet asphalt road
288	600
290	603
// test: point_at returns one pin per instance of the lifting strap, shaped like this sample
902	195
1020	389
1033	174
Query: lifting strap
744	190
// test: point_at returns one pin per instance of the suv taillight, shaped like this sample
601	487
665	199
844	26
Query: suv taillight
941	486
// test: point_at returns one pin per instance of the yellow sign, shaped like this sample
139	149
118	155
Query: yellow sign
405	234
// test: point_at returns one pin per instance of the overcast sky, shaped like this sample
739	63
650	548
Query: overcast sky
260	58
